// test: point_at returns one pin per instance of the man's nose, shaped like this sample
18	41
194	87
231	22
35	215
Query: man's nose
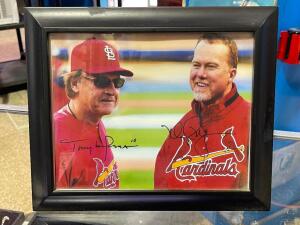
111	89
201	72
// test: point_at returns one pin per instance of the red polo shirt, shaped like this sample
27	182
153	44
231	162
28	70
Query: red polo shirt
83	158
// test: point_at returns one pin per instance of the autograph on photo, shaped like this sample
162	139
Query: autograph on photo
110	143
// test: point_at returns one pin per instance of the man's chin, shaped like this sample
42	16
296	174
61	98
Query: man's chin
104	113
201	97
107	105
105	110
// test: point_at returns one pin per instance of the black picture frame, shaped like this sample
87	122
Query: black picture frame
40	22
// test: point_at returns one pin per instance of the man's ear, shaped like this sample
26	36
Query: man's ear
232	74
75	82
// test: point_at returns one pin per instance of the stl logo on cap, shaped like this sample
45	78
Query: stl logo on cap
109	53
95	56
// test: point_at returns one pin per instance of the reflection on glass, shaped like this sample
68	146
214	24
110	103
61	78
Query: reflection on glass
182	121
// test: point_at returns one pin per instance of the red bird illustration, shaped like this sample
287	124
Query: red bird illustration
228	141
99	170
182	152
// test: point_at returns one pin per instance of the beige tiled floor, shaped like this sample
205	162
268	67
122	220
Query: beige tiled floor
15	184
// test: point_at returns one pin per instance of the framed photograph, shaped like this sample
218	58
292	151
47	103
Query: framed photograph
158	109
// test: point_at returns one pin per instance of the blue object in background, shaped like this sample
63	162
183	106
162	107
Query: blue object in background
265	2
103	3
67	3
287	101
191	3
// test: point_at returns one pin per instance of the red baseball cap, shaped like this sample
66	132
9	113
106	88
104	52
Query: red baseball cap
97	57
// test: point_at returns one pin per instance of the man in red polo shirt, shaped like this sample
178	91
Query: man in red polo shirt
208	148
83	157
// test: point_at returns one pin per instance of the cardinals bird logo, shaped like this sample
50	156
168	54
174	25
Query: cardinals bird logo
181	153
105	175
229	143
188	167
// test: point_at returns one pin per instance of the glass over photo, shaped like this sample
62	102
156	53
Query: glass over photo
151	111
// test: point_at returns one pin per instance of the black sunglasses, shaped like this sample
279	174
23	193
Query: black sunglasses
102	81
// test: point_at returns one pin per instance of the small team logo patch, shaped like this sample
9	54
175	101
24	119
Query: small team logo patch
188	168
109	53
105	176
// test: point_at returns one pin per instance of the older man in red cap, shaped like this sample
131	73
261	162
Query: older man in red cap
83	158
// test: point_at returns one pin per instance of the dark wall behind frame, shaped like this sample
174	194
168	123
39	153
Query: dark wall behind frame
262	21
